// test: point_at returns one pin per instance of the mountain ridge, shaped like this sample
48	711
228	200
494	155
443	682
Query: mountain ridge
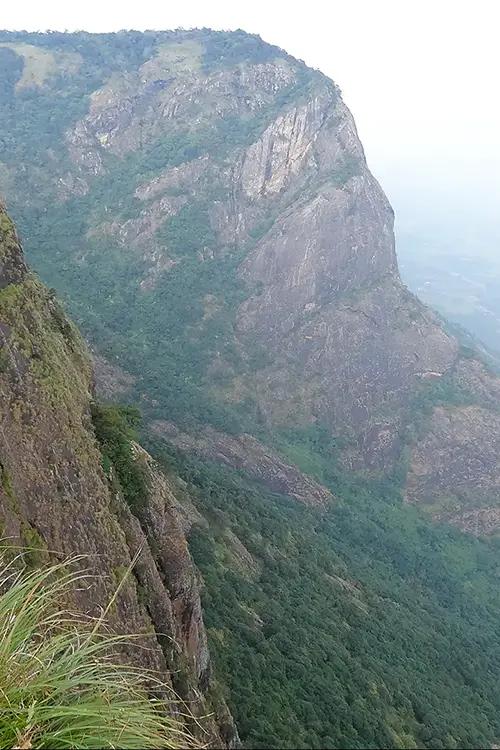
217	180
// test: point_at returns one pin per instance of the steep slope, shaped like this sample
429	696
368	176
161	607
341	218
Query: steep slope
358	626
224	223
56	499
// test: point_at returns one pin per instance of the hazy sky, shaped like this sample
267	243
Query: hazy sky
421	77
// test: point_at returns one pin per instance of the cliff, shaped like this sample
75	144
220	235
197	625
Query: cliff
56	500
225	224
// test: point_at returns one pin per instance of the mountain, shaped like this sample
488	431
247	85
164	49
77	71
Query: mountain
61	491
202	203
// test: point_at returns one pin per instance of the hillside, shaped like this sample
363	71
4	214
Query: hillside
202	203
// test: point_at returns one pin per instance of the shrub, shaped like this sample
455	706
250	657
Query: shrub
115	429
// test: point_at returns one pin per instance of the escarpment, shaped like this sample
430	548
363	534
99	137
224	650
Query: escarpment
246	453
233	254
56	499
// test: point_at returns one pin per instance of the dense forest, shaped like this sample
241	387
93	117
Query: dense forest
361	627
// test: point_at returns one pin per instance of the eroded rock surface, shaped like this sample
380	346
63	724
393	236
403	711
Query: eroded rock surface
455	468
245	261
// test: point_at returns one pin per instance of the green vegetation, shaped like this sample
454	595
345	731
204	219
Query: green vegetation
366	627
4	360
189	230
115	429
6	227
313	449
99	277
180	320
6	483
62	684
35	549
33	119
443	391
225	49
166	326
349	167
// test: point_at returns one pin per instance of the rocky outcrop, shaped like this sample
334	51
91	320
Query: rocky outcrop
255	459
282	151
13	268
349	343
56	500
389	343
454	468
161	524
131	111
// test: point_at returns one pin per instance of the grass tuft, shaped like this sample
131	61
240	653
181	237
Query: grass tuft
61	684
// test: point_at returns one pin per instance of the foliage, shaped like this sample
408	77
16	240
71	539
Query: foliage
164	320
62	686
313	449
165	325
226	49
443	391
349	167
366	627
189	230
359	627
115	429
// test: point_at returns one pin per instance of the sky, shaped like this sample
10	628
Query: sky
420	77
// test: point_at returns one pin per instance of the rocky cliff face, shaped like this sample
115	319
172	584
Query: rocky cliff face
453	466
56	500
227	226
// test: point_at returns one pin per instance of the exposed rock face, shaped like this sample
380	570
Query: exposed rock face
389	343
55	498
129	111
283	150
454	470
160	522
245	452
349	343
233	142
